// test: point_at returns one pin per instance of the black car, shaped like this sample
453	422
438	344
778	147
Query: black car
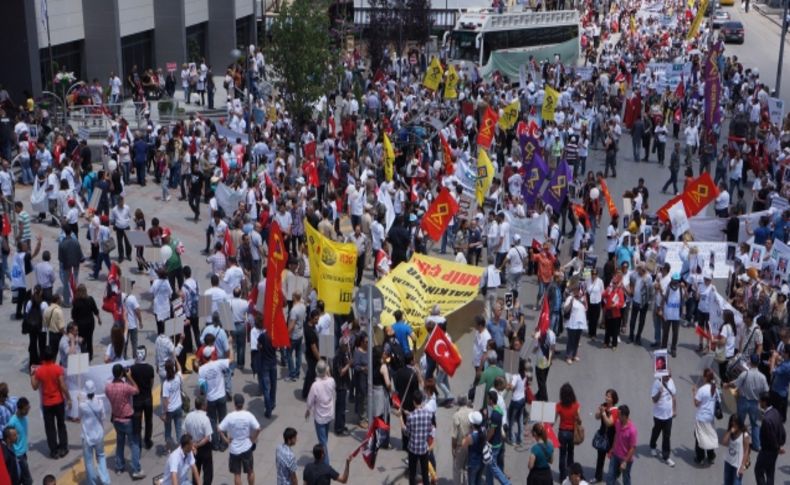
733	32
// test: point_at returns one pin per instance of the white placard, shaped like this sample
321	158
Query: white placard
529	228
660	363
173	327
756	256
95	196
721	268
225	314
776	110
30	280
543	411
178	307
77	364
138	238
204	306
511	362
678	219
126	285
326	346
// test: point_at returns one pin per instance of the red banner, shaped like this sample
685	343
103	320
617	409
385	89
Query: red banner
447	156
662	212
487	125
699	193
227	244
439	214
273	316
608	198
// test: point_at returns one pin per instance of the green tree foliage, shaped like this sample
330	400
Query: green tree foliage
301	55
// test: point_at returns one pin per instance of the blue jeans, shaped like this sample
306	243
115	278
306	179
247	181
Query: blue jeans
731	475
27	171
124	432
566	452
96	472
752	409
294	358
448	234
174	417
101	258
515	411
493	470
240	341
322	432
127	170
64	278
267	378
474	471
614	471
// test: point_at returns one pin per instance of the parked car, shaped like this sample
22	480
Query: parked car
732	31
720	18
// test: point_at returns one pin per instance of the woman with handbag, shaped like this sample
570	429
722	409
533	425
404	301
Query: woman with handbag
567	411
540	457
706	400
725	343
737	441
603	440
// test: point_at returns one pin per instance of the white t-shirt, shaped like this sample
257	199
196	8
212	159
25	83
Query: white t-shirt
515	259
325	325
505	234
180	464
211	373
131	305
594	290
217	295
481	341
729	342
578	319
172	391
518	384
663	408
707	404
238	426
611	239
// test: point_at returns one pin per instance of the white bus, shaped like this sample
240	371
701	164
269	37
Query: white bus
503	42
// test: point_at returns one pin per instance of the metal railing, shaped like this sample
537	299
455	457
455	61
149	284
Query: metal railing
441	18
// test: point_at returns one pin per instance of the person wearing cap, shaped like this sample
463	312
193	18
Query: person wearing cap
750	384
669	309
461	428
239	430
475	442
91	409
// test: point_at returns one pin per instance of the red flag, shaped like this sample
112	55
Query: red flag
702	333
608	197
487	126
370	445
227	244
72	283
439	214
309	150
272	185
6	225
580	213
545	318
551	435
5	478
273	316
441	349
699	193
252	298
449	167
680	91
414	195
310	172
223	165
662	212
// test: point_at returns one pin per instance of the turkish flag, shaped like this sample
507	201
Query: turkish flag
441	349
6	225
227	244
662	212
680	91
449	167
439	214
5	478
224	167
273	316
72	283
413	195
700	192
272	185
370	445
310	171
487	125
544	319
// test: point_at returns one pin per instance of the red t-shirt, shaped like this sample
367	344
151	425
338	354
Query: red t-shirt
567	415
48	376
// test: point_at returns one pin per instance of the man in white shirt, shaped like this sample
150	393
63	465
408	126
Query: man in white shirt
180	467
233	276
664	409
492	235
239	307
239	430
115	91
216	293
722	203
121	220
504	238
594	289
134	320
213	374
514	260
326	322
197	425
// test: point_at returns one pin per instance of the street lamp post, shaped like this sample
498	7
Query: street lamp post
781	49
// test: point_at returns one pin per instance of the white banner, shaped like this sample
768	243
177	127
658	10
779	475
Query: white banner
776	110
528	228
228	198
100	375
716	251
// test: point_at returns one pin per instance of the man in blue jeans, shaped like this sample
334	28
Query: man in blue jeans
495	416
321	402
267	372
750	385
624	448
119	393
212	376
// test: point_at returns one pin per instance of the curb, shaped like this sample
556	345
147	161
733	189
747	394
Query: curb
771	17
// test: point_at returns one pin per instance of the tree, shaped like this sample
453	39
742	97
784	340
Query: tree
301	55
379	31
417	20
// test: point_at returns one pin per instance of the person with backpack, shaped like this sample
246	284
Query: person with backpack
541	456
32	324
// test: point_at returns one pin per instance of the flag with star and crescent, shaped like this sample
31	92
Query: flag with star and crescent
440	348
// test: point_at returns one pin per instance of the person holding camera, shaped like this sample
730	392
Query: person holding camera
119	393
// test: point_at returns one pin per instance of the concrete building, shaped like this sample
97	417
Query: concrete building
95	37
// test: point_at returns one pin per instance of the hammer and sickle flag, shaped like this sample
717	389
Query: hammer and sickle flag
273	315
451	83
510	115
389	159
433	75
439	214
550	99
486	133
700	192
485	175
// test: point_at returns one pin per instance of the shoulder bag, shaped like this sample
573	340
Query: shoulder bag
578	432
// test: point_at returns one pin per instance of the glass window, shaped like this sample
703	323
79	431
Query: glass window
462	46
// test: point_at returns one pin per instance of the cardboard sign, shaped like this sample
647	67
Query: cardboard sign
178	307
660	363
776	110
77	364
543	411
95	196
204	306
509	301
510	365
174	327
138	238
326	346
171	66
225	314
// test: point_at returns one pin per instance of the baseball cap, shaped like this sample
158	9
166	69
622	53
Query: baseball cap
476	418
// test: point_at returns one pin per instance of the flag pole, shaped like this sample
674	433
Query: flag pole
45	19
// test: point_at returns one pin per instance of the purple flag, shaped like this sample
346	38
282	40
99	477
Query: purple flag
557	190
530	146
712	79
534	175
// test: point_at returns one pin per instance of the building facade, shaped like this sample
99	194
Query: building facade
93	38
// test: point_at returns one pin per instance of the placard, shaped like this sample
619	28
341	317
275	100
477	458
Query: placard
660	363
776	110
138	238
669	252
173	327
204	306
756	256
95	196
480	398
77	364
178	307
126	285
509	300
225	314
30	280
627	206
543	411
326	346
510	365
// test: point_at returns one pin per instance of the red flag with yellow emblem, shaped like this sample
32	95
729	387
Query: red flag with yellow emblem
486	133
439	214
273	316
700	192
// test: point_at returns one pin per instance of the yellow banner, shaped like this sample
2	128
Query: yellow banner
451	83
694	29
550	98
433	75
333	268
389	159
509	115
485	175
415	287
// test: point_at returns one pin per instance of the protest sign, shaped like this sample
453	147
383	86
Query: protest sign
776	110
415	287
529	228
660	365
717	251
333	268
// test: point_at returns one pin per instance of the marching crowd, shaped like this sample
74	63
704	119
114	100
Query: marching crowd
336	167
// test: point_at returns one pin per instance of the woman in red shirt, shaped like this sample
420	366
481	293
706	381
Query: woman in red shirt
49	377
568	413
613	298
